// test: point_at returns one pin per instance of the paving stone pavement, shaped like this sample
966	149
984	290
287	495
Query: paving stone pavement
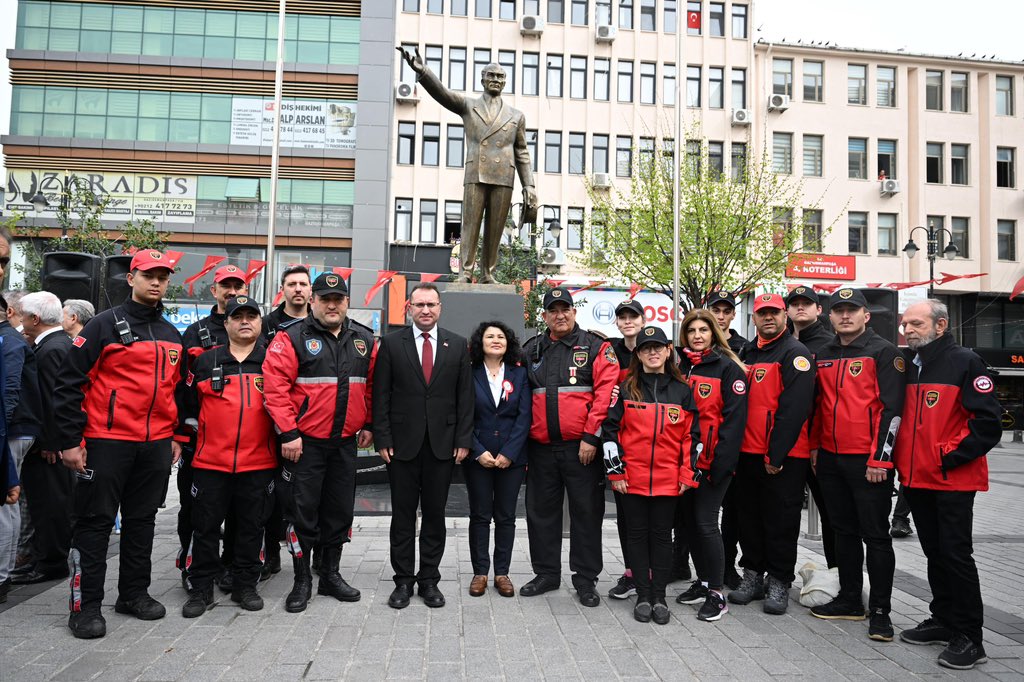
549	637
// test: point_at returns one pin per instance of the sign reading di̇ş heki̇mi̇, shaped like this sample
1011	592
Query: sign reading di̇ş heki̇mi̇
822	266
304	124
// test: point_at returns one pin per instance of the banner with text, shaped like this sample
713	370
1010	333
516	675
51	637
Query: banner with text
821	266
304	125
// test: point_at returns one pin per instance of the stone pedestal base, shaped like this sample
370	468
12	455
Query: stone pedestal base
467	305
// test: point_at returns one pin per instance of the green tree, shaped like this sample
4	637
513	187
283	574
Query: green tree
737	226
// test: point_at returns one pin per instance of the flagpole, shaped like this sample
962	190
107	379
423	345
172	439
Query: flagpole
275	159
677	171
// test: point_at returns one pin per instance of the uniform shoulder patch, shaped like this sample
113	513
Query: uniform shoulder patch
983	384
78	341
739	387
801	363
609	355
899	364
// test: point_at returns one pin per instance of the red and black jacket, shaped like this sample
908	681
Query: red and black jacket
107	389
861	387
653	443
317	384
624	356
571	380
950	419
780	385
233	429
212	323
720	391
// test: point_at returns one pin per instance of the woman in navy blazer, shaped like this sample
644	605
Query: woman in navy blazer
496	465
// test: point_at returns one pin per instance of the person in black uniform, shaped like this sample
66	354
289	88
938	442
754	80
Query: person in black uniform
295	286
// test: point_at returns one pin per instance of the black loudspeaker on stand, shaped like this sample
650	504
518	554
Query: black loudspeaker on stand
72	275
115	281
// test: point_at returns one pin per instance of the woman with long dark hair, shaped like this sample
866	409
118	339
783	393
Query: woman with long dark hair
719	384
497	463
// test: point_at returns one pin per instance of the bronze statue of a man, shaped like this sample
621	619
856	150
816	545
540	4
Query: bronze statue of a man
495	151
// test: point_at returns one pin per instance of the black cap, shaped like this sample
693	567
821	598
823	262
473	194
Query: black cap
848	296
802	292
651	334
721	297
241	303
329	283
630	304
557	294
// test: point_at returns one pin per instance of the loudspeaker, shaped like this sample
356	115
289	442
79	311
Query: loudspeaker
882	305
72	275
115	281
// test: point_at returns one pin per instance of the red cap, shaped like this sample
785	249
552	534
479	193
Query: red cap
229	272
148	259
769	301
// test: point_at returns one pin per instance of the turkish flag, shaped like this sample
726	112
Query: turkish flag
253	269
344	272
828	288
693	20
383	277
1018	288
634	289
208	266
430	277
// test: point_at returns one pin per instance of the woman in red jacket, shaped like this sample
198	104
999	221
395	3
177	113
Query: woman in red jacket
652	441
718	380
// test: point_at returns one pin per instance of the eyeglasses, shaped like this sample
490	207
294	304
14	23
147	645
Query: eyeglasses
427	306
651	348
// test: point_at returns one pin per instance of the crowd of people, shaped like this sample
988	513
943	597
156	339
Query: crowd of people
708	442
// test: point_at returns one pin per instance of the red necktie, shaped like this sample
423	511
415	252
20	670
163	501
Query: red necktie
427	358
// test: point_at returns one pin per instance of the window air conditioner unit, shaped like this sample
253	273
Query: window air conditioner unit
778	103
741	117
405	93
552	256
606	33
890	187
602	180
531	25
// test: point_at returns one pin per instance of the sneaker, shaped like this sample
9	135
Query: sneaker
624	588
751	588
696	594
900	528
928	632
659	612
962	653
199	602
776	598
642	611
880	627
714	607
226	581
839	609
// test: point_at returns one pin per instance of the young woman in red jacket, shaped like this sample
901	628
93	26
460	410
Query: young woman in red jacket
718	380
652	441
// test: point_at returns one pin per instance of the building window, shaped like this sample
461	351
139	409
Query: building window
716	19
738	161
716	158
887	159
483	9
885	86
782	76
1004	96
693	15
814	81
626	14
668	85
577	153
693	86
602	69
578	77
603	12
960	228
428	221
958	165
782	153
481	58
739	88
739	21
648	76
716	87
431	144
554	75
531	73
552	152
625	89
556	11
648	15
433	56
406	142
623	156
507	9
600	158
887	234
452	221
858	158
812	232
933	90
456	146
783	221
933	162
574	231
670	16
646	149
410	5
507	61
812	155
1006	239
407	75
856	84
693	157
1006	172
403	220
531	8
858	226
459	9
531	146
457	68
958	92
435	6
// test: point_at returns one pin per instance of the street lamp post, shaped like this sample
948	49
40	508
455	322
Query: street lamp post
932	236
41	203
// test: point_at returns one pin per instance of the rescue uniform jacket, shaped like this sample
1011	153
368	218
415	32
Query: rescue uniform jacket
780	385
736	342
720	392
814	337
950	417
571	380
653	443
234	432
107	389
214	324
861	387
276	319
319	385
624	356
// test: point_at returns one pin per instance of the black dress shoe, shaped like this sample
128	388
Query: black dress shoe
143	608
87	625
226	581
539	585
400	596
431	596
34	576
588	596
24	568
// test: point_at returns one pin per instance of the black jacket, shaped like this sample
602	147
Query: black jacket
22	406
720	391
274	319
736	342
50	352
814	337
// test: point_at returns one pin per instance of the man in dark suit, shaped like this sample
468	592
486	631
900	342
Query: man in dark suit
422	426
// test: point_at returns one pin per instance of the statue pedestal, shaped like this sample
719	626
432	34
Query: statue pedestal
467	305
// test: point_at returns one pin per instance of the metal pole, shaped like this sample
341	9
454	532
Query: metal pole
677	174
813	520
269	273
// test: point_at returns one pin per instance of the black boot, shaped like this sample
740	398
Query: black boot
331	582
302	588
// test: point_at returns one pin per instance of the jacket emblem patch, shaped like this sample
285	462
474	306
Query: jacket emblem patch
360	346
78	341
759	374
983	384
856	367
673	413
173	355
314	346
931	398
738	387
899	364
257	383
801	363
703	390
580	357
609	355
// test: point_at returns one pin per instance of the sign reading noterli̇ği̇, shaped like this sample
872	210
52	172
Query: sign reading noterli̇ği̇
822	266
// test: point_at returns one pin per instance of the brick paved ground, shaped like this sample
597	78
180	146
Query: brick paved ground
490	637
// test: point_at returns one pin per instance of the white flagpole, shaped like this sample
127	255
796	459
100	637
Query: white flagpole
269	275
678	160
